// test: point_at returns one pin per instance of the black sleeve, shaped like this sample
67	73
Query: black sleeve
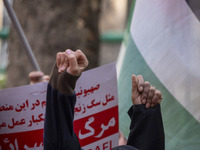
58	127
146	128
60	102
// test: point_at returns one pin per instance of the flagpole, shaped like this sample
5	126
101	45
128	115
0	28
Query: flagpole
22	36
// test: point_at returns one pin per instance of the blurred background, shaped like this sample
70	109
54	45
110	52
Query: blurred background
163	48
94	26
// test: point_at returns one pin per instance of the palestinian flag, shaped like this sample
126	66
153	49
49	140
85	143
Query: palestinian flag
163	45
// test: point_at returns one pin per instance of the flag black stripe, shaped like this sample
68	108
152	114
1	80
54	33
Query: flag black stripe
195	6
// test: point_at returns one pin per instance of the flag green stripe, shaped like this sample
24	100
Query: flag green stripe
182	131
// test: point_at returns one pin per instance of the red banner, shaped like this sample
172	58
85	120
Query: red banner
15	141
97	126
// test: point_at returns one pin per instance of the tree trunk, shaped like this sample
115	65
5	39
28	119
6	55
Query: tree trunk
52	26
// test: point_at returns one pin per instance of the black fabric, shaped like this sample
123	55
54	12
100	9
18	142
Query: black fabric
146	128
124	147
58	127
195	6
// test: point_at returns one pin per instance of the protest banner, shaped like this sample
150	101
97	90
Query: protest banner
22	112
96	110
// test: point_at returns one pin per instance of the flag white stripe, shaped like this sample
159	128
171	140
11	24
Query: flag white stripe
158	28
120	58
